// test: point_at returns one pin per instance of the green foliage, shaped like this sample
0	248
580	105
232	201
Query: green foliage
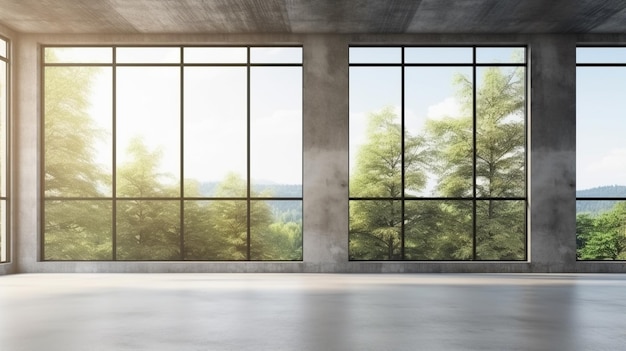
277	241
218	230
500	230
70	135
78	230
74	230
438	230
602	237
375	225
375	230
500	138
140	176
379	162
146	229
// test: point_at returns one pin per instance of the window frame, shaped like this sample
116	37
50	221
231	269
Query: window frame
404	198
115	199
597	198
5	221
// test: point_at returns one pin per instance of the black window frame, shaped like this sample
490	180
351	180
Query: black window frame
598	198
6	220
181	198
474	199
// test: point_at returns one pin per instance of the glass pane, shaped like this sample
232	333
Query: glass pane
600	129
4	105
79	55
276	55
375	55
216	230
4	243
500	133
438	131
438	55
78	230
148	131
500	55
216	128
276	230
3	48
202	239
375	136
601	55
375	230
500	230
77	131
276	130
438	230
600	227
147	55
148	230
216	55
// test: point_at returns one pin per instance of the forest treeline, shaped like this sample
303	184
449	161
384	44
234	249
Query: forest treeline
601	224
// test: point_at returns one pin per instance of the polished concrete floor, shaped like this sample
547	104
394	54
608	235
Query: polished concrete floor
116	312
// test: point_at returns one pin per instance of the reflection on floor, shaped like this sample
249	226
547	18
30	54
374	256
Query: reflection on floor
116	312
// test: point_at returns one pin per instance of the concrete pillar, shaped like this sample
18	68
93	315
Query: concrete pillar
553	153
25	159
325	152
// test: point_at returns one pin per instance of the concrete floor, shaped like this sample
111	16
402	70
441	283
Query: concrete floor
117	312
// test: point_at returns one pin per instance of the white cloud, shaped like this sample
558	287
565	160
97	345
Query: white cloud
449	107
613	161
609	169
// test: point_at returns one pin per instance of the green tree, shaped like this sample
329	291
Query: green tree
146	229
602	237
73	230
70	135
218	229
438	230
500	159
375	225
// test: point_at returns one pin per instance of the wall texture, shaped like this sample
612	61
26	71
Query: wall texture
552	132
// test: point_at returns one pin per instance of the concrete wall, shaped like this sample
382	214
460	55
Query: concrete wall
552	131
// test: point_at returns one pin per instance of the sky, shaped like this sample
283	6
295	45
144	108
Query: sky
600	118
600	126
215	108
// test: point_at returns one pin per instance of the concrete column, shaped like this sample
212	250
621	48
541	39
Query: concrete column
25	160
325	152
553	153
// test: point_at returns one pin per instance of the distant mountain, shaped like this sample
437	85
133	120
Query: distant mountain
597	207
603	191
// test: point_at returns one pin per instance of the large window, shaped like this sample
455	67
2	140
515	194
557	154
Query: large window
601	153
4	113
172	153
438	153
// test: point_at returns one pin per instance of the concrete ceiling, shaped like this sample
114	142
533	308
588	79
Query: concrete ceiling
314	16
